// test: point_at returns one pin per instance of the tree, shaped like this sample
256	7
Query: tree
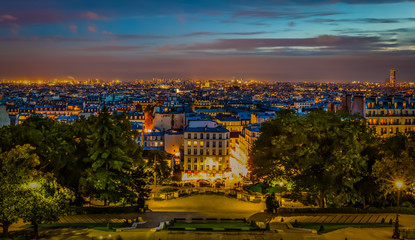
109	161
157	162
44	202
140	178
15	175
397	163
321	153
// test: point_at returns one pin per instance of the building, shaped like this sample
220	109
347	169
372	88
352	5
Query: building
392	78
242	151
391	115
206	153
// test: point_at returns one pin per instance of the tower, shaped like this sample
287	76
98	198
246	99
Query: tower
392	78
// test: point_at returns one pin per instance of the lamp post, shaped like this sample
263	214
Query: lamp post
281	185
395	235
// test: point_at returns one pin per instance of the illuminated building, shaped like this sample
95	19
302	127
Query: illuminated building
241	153
206	153
391	115
392	78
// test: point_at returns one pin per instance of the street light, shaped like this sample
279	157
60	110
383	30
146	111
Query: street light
395	235
281	185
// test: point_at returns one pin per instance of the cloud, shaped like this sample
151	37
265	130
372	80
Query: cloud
291	24
219	33
163	48
93	16
255	43
92	29
364	20
112	48
131	36
73	28
48	39
316	2
6	17
278	15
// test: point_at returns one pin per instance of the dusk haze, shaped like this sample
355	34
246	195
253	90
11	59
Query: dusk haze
300	40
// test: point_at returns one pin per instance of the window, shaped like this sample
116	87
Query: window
214	144
195	167
201	167
201	151
188	167
195	144
189	135
207	151
195	151
207	135
207	144
220	136
214	152
189	143
201	143
195	160
220	144
189	151
220	151
195	135
201	136
213	136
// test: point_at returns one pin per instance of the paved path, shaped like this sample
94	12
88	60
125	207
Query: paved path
339	218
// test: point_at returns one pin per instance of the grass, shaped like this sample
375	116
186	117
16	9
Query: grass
329	227
213	225
96	226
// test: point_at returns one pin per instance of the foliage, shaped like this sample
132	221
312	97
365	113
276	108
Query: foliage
157	163
141	190
109	160
321	153
15	175
44	202
397	164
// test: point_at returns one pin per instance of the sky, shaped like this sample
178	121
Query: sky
298	40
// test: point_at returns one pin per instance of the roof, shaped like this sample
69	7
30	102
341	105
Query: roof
205	129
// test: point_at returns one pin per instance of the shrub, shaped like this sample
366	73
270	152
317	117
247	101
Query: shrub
321	229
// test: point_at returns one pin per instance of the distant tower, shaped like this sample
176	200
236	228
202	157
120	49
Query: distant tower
392	78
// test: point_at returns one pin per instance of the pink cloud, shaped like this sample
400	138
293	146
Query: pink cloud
7	17
92	29
94	16
112	48
73	28
15	31
163	48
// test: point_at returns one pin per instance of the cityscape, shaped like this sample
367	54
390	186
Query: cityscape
207	120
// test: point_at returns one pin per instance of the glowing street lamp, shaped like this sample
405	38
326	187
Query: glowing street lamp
33	185
281	185
395	235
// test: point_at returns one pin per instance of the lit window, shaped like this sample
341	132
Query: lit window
201	143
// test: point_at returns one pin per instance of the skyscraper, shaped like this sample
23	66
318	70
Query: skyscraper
392	78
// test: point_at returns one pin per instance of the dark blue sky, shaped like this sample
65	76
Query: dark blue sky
321	40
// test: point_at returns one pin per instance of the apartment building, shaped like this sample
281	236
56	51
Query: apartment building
206	152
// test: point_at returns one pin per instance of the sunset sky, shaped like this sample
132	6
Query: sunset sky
300	40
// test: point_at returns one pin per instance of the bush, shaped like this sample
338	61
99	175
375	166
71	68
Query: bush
169	189
321	229
101	210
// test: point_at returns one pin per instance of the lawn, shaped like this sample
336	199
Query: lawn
212	225
329	227
96	226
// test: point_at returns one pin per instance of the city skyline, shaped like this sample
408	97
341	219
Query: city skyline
321	41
